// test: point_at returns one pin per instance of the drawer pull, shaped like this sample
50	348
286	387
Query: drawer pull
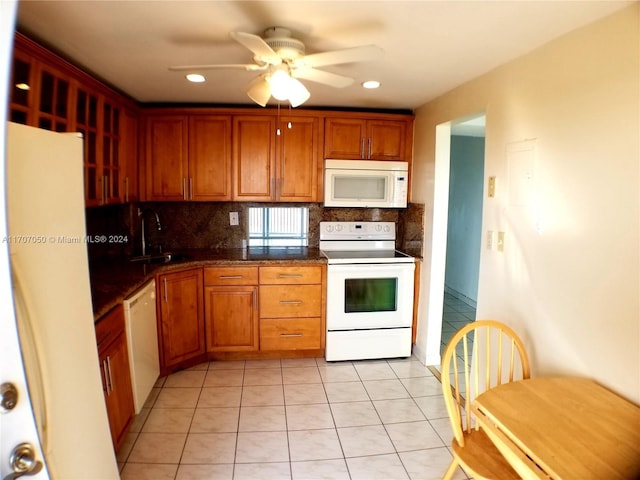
290	334
290	275
230	277
291	302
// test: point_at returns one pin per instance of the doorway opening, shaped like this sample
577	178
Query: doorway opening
439	331
464	225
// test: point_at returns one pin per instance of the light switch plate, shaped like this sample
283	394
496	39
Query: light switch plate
501	241
492	187
489	239
233	218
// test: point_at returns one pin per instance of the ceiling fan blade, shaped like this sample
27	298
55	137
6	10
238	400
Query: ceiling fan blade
258	46
320	76
336	57
248	67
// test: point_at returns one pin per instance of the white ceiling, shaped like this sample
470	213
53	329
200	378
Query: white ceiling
430	46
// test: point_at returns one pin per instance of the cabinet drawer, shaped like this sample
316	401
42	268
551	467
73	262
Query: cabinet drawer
292	301
109	327
284	334
290	275
231	276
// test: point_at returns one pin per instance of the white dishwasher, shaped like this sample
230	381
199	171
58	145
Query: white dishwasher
142	340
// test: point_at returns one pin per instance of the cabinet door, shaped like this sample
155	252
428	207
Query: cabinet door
54	100
129	156
181	316
110	141
254	158
231	318
344	138
166	157
386	140
119	398
87	125
298	156
116	376
210	158
21	89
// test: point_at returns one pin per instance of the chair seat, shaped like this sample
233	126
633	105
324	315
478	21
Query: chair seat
481	458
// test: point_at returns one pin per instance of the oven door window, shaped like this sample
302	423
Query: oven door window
370	295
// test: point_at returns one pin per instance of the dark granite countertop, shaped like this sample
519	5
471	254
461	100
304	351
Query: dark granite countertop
115	278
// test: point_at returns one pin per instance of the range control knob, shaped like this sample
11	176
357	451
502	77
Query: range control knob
387	228
329	228
338	228
378	228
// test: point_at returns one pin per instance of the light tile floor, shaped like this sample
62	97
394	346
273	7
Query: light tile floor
455	315
292	419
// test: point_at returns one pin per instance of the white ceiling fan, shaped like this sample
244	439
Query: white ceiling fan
282	59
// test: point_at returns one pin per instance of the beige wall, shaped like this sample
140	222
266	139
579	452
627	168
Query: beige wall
569	278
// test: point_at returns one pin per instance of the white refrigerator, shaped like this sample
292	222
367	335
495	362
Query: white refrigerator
52	299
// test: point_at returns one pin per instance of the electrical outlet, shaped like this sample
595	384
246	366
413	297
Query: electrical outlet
501	241
489	239
233	218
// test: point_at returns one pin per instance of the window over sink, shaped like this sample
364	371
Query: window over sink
278	226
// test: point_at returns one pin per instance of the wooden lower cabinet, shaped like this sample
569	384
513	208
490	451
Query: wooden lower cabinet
116	375
231	318
292	303
290	333
181	318
231	308
240	311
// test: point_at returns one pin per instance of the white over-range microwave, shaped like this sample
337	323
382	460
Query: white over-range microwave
365	183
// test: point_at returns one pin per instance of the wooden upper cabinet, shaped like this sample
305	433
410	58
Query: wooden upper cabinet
129	156
298	154
54	95
53	106
344	138
166	157
254	141
209	157
276	158
110	141
188	157
370	139
21	89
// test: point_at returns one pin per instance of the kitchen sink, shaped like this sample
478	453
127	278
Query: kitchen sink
166	257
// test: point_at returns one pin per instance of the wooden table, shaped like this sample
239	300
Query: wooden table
572	428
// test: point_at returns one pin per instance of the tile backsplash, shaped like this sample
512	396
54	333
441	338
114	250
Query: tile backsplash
206	224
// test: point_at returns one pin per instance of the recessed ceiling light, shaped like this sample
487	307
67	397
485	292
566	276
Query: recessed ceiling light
371	84
195	78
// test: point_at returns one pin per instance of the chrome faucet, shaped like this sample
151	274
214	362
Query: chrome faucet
141	214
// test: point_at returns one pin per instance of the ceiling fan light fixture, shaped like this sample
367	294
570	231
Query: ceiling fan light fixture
298	93
280	82
259	91
195	78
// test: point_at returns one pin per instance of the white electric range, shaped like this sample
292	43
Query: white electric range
369	291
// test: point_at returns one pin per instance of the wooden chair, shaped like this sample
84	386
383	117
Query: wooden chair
465	375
